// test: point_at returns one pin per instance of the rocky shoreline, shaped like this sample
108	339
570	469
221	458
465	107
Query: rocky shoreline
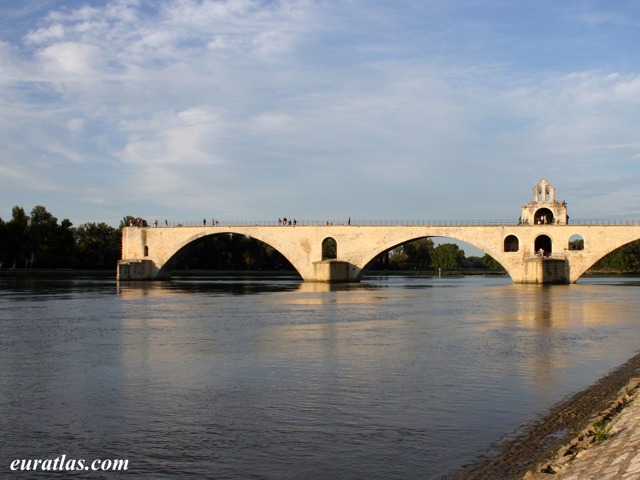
597	432
545	443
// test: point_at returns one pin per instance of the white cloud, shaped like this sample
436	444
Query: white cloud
180	138
70	58
75	125
46	35
273	122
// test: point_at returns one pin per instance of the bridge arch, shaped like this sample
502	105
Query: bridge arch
590	260
371	257
186	247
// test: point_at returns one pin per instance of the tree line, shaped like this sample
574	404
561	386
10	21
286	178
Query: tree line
39	240
423	255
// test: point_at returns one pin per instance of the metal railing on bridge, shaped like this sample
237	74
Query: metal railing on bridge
550	256
367	223
604	222
377	223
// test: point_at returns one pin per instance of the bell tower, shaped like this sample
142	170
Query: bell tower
544	209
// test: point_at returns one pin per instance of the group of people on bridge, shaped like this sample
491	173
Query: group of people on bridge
542	220
140	222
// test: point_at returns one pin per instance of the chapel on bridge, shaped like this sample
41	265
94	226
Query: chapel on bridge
544	209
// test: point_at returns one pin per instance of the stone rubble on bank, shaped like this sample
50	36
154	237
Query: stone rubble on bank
606	449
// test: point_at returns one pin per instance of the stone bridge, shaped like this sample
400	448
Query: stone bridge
535	250
152	252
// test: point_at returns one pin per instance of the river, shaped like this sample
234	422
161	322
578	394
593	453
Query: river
398	377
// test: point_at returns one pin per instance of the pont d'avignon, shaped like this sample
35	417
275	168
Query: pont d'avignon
535	249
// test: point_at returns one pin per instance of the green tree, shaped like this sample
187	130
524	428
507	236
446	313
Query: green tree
381	262
3	242
577	244
42	234
447	256
490	263
17	237
65	249
623	259
419	253
97	245
232	252
398	259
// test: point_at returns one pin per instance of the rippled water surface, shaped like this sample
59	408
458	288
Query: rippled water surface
270	378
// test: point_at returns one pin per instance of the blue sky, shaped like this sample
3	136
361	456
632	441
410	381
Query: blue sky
377	110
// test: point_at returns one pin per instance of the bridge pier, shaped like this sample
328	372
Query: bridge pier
137	269
545	270
334	271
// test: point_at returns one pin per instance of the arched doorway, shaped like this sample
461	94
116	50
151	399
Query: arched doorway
511	243
544	216
329	249
543	245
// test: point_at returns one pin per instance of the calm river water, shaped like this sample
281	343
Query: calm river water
271	378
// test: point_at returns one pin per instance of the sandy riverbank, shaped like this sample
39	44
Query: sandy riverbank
539	442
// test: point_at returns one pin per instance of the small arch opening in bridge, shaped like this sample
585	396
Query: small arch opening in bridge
576	242
511	243
544	216
329	249
146	250
543	246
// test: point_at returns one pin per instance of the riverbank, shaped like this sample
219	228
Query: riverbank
606	449
540	445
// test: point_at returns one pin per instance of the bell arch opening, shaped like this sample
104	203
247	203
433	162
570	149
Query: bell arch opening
544	216
576	242
511	243
543	246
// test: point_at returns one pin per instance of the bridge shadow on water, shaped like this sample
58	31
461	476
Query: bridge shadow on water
246	284
232	283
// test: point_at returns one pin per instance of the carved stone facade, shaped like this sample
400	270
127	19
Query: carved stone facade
544	209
